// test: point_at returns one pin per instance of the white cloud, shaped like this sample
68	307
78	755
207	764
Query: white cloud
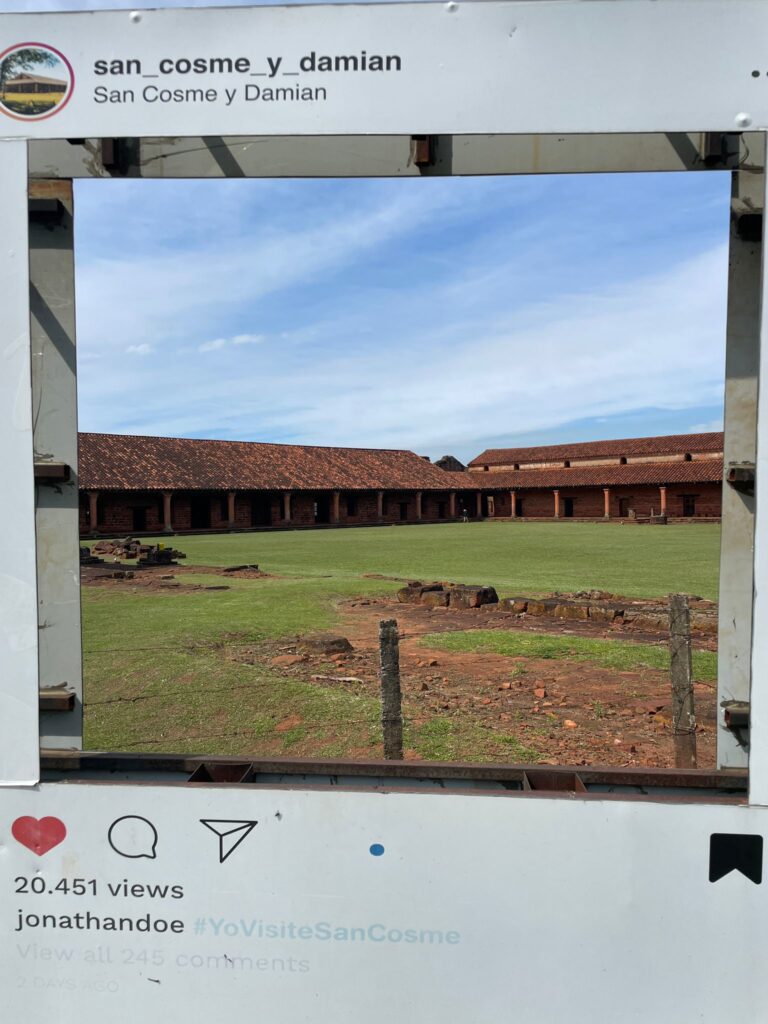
237	339
139	350
179	295
247	339
647	343
509	337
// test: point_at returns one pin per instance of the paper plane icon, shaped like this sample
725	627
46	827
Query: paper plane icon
231	833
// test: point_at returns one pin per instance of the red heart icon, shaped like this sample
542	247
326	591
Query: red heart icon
39	836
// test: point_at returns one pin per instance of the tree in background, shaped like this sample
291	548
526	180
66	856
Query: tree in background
26	59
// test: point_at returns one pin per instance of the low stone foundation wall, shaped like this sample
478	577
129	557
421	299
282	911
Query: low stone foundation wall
595	606
644	616
447	595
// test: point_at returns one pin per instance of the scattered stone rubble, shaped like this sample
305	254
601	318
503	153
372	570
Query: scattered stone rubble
599	606
594	605
86	558
129	547
447	595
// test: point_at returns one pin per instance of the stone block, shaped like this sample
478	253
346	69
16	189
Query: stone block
602	613
653	623
566	610
326	643
462	596
704	623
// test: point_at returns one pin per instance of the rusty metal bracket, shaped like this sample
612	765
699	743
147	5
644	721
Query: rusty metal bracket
423	149
741	476
52	472
120	156
721	149
749	227
57	698
46	211
736	714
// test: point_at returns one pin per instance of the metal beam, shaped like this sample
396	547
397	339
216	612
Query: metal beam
19	745
379	156
738	509
54	385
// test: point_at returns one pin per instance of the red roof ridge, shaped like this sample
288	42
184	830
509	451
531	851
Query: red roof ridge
667	443
228	440
142	462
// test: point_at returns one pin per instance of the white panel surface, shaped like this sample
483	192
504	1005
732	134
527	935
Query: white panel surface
19	761
554	67
476	909
758	754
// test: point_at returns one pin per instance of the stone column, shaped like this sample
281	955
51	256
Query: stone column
557	503
452	504
479	504
231	495
663	495
513	504
167	523
380	504
93	507
336	507
287	506
606	503
418	505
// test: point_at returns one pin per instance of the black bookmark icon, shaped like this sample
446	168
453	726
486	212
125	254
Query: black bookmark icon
729	852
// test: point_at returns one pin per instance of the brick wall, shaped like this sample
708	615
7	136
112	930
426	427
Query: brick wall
365	507
537	504
707	499
116	512
435	506
116	509
587	502
502	504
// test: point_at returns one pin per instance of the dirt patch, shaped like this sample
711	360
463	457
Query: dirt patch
567	712
613	717
557	710
120	575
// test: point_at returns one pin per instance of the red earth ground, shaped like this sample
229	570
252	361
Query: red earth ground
567	712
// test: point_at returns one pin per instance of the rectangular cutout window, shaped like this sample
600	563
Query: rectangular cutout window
299	471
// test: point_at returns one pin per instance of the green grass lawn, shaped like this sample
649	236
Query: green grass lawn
525	558
620	655
158	675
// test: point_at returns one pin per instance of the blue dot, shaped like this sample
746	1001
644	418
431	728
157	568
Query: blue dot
377	849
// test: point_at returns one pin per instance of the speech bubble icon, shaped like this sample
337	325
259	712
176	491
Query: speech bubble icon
133	836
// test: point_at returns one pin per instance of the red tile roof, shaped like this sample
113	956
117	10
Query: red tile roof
671	444
703	471
124	462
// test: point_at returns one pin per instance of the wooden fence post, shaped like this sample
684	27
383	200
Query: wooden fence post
389	673
683	711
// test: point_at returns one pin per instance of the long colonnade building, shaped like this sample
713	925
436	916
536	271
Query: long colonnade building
153	484
679	476
131	484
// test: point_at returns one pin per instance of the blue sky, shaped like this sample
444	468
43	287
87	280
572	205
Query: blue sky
442	315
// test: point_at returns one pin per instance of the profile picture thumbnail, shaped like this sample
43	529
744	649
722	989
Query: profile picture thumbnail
36	81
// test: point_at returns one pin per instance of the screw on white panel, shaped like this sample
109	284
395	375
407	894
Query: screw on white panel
451	7
135	16
743	120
